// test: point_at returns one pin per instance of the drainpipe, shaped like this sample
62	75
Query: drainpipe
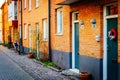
21	42
49	31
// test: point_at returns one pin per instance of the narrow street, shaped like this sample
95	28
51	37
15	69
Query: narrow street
10	70
19	67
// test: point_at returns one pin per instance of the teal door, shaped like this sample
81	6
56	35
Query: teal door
112	50
76	44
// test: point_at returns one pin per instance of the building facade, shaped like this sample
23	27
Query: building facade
82	35
85	36
5	29
1	37
10	21
34	26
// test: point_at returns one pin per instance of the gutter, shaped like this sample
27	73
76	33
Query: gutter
49	31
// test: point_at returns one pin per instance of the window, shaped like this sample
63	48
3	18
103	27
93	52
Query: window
20	31
20	6
37	30
37	3
24	3
30	5
59	21
15	8
45	30
25	31
112	9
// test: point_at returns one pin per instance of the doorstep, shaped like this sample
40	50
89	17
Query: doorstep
70	72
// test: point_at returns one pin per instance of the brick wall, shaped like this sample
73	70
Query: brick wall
5	22
88	45
36	15
60	42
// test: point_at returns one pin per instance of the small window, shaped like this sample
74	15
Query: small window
20	6
24	3
45	30
20	31
25	31
30	5
37	31
59	22
112	10
37	3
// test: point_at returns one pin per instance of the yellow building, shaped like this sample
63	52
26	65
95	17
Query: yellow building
0	26
10	22
5	27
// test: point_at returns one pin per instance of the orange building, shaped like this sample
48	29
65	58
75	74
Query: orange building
10	22
5	28
34	26
82	35
1	38
85	36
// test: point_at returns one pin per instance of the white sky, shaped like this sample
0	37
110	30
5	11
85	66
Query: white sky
1	2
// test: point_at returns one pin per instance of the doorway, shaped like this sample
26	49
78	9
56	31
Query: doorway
75	41
110	64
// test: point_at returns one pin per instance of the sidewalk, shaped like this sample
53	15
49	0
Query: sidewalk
36	70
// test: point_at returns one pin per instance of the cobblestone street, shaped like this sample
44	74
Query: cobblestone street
11	60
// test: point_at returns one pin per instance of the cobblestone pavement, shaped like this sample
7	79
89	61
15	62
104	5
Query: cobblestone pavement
36	70
10	71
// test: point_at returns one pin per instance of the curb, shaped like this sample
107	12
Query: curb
52	68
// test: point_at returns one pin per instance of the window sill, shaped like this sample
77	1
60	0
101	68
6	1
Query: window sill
59	34
29	10
45	40
37	7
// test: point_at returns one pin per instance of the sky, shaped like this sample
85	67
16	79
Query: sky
1	2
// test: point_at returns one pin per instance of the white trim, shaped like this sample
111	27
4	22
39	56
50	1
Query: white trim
73	40
105	44
105	40
111	16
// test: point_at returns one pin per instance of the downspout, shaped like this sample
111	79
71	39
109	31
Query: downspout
49	31
21	41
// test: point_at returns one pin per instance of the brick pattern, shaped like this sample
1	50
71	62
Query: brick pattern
88	45
5	22
36	15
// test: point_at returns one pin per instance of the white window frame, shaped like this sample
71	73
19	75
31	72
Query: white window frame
25	31
45	30
59	17
37	3
30	5
25	3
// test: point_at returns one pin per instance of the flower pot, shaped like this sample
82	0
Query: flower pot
84	76
31	55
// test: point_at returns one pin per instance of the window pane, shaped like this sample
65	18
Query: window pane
45	30
112	10
59	21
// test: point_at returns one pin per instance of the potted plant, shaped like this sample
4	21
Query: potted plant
31	55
